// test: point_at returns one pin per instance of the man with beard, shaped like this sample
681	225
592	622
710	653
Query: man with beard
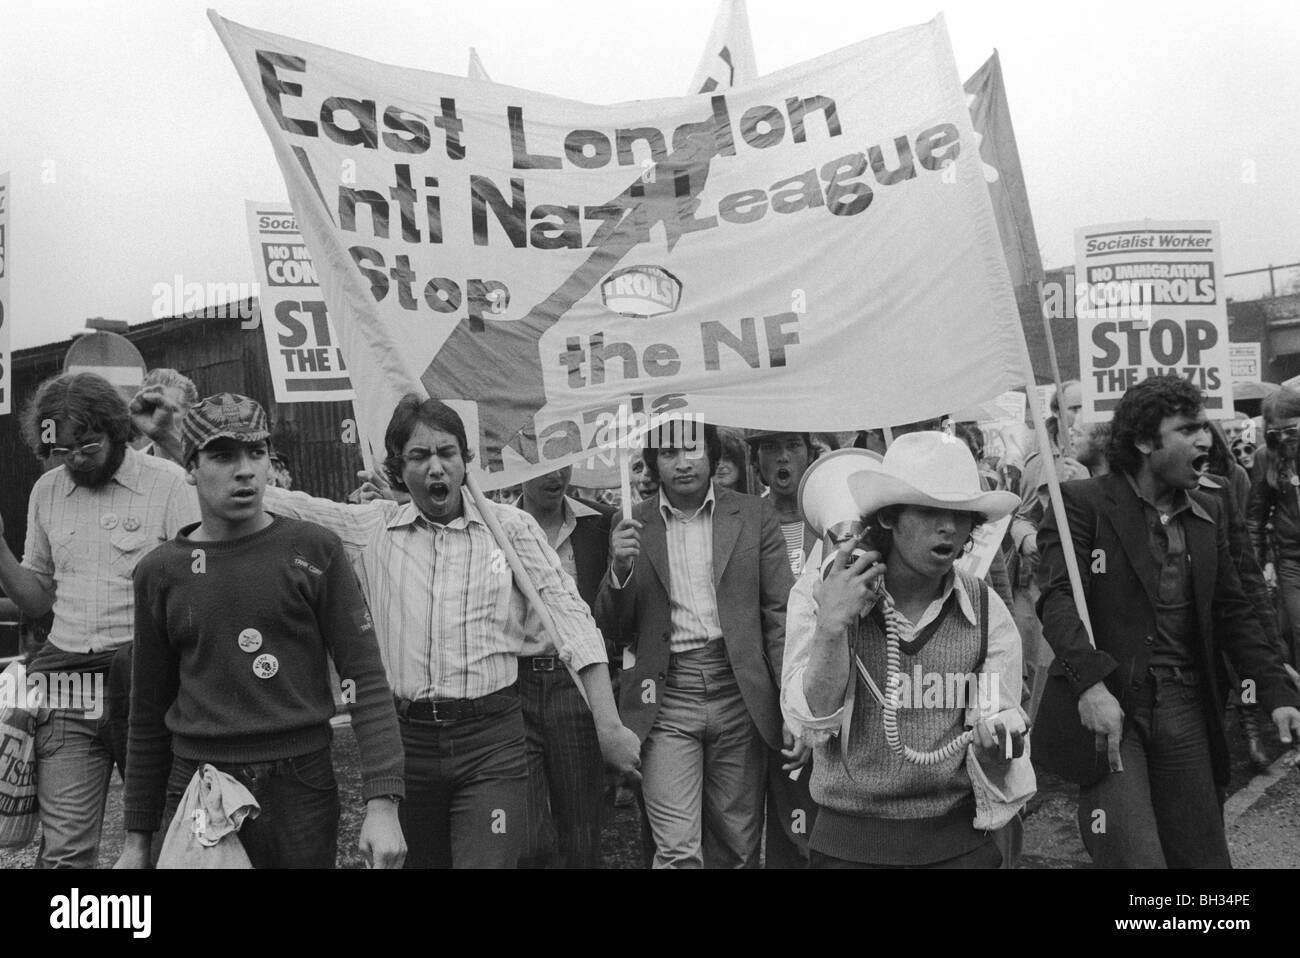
565	771
780	459
88	525
1089	441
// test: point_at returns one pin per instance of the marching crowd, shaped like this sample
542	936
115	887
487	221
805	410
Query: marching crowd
802	677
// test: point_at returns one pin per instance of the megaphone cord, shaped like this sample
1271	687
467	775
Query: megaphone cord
896	626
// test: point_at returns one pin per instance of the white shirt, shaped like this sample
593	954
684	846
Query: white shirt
1003	658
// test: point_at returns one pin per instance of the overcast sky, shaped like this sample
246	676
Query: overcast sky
132	145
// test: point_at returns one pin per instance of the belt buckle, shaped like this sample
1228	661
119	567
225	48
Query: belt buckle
441	712
544	663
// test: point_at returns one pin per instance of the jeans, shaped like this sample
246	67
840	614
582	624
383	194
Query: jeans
565	773
703	767
1163	810
466	791
73	764
298	825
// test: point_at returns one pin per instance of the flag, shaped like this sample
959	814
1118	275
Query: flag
728	58
476	69
991	116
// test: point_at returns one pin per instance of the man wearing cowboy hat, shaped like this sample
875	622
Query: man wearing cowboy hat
884	659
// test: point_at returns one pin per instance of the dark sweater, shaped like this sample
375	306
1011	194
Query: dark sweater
194	689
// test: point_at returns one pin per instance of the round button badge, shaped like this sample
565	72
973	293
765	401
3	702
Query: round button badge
131	524
265	666
250	640
108	520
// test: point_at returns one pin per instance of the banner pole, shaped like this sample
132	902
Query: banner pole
624	453
1054	492
1067	447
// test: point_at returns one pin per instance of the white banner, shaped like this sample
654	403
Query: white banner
6	318
302	348
813	251
1150	304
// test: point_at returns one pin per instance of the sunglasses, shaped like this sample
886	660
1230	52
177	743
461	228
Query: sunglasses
87	450
1275	436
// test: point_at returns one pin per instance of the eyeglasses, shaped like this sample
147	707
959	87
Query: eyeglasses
1289	434
86	450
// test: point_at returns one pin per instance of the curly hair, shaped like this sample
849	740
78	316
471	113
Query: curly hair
1139	414
86	403
413	410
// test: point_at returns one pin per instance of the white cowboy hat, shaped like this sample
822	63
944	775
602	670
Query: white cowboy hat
929	469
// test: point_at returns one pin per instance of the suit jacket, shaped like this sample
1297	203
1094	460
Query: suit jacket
1110	533
751	580
591	550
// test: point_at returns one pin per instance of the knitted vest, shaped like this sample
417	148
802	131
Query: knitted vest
864	777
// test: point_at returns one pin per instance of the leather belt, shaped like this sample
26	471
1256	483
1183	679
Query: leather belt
541	663
455	710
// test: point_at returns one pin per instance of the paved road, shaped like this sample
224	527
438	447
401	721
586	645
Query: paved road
1262	815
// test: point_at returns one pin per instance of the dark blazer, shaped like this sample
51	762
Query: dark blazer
751	579
1109	530
591	549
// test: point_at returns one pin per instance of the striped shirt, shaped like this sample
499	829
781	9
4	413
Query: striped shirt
449	620
693	603
86	543
793	533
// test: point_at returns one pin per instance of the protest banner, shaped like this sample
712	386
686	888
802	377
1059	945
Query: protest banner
1149	304
1012	405
728	58
302	348
6	381
985	542
779	255
1244	363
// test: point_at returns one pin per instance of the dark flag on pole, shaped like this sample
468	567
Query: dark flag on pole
991	117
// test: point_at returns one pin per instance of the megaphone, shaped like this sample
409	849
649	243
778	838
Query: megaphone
825	500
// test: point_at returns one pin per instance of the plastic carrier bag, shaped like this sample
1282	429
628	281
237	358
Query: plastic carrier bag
19	812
